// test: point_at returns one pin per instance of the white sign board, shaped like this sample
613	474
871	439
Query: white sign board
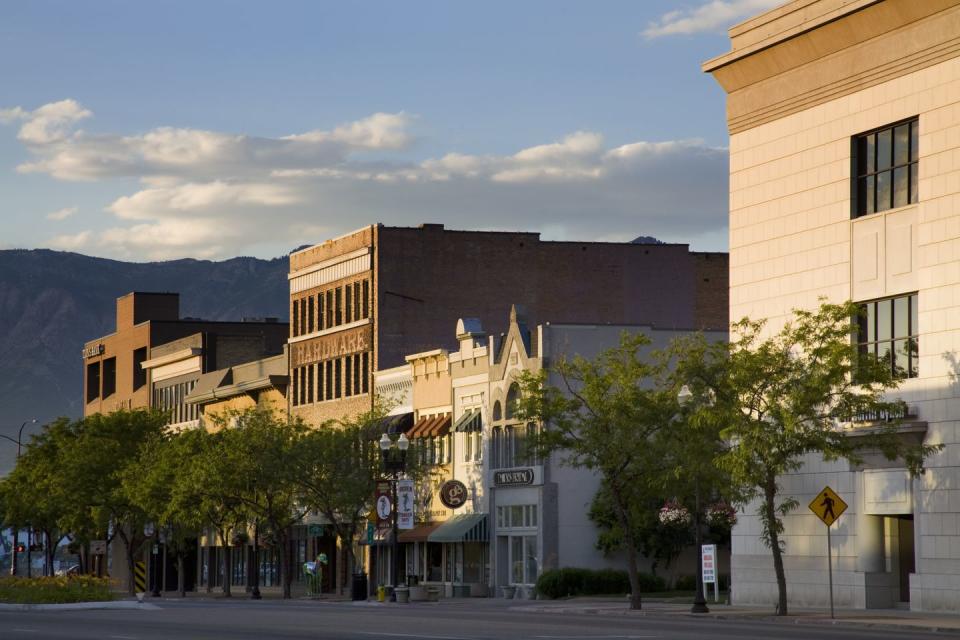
405	502
98	547
708	560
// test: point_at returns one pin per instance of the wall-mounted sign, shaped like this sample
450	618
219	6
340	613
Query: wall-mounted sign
94	351
453	494
405	501
329	346
513	477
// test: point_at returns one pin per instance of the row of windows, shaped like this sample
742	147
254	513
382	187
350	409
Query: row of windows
102	375
171	399
889	331
509	446
331	379
331	308
429	451
886	167
517	516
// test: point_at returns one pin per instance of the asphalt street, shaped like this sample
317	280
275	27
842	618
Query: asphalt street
241	619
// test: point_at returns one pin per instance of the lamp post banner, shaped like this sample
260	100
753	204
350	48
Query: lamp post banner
384	504
405	504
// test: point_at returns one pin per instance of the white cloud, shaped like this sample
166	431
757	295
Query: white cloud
47	124
216	194
716	15
61	214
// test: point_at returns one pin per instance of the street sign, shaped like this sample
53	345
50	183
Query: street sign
315	530
98	547
828	506
369	533
405	501
708	560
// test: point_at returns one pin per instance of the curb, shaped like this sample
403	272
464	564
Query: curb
80	606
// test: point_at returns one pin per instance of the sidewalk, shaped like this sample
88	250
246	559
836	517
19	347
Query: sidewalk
889	618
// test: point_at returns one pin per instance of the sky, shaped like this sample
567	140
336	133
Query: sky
153	131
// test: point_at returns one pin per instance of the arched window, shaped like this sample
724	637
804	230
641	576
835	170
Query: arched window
497	413
513	395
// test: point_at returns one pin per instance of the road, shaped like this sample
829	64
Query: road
242	619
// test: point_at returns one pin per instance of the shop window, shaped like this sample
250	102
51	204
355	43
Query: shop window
139	376
93	381
886	163
888	331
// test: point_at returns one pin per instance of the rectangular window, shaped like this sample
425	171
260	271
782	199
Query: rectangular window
295	325
348	376
888	331
320	384
139	373
338	378
310	369
467	447
320	323
329	377
295	387
356	301
478	446
329	305
310	314
357	389
348	303
93	381
886	167
338	306
366	298
109	377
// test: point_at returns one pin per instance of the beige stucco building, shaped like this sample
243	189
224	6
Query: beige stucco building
844	119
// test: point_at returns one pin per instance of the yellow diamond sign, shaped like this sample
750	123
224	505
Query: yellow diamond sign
828	506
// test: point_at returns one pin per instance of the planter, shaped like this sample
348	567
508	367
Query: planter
509	592
403	595
433	594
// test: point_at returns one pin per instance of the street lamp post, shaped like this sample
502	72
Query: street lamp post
394	463
16	530
255	591
684	397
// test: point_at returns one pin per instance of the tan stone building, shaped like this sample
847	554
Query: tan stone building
258	384
844	120
153	347
363	301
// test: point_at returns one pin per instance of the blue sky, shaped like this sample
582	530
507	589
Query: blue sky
210	129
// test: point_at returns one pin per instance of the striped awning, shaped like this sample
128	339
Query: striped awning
469	421
467	527
430	427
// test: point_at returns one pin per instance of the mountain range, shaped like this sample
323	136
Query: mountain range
51	302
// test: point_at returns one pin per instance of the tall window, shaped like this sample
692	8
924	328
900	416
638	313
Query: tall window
109	377
886	164
889	332
139	373
93	381
295	325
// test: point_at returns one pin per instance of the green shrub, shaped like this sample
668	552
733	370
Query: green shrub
685	583
56	590
572	581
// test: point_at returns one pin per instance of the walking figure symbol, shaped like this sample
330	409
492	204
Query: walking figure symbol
827	505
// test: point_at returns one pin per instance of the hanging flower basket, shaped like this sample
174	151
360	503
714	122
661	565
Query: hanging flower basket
721	514
674	514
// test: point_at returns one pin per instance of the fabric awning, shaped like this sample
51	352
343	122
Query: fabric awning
470	421
467	527
418	534
430	427
400	423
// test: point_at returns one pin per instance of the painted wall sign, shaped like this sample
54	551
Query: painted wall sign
453	494
513	477
334	345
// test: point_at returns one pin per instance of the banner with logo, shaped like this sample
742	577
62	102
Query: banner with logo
405	502
384	504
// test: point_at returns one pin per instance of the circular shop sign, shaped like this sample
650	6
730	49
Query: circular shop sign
453	494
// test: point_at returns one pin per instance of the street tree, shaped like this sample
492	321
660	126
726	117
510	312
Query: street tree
609	414
795	392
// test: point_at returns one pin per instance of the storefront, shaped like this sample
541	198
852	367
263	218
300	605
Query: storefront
518	505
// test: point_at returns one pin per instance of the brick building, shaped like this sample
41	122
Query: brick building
361	302
115	375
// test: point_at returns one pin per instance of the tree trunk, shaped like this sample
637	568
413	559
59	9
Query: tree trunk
770	514
131	563
286	564
50	553
181	581
632	570
227	577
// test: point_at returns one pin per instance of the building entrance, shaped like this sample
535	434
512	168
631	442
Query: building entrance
901	529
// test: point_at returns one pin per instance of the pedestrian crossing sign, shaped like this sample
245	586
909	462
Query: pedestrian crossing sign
828	506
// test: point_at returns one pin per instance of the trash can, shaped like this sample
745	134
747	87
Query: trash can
359	590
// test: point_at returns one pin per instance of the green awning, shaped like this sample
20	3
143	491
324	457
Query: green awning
469	421
468	527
